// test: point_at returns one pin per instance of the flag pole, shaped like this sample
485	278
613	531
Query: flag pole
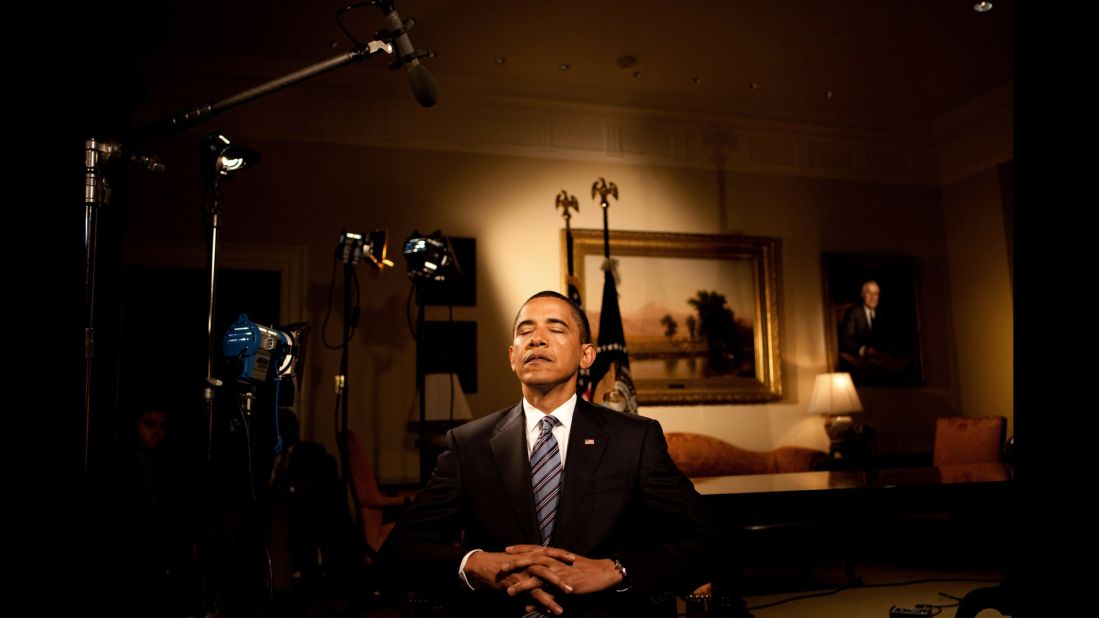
612	356
604	188
567	202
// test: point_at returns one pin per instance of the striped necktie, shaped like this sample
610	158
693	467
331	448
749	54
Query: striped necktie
545	477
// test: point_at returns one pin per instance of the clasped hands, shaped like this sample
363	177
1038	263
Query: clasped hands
532	568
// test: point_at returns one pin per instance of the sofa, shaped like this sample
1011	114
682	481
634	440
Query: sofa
698	455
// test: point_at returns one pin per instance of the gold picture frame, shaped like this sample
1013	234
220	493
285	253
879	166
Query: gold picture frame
675	286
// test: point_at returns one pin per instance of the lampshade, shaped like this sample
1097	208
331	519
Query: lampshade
834	393
437	403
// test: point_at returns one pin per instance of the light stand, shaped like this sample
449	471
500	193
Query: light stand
99	156
352	247
425	458
348	252
218	158
261	356
431	261
97	193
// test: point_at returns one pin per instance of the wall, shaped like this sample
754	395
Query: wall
812	216
973	140
306	194
491	168
980	285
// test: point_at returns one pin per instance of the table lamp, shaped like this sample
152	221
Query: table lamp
834	396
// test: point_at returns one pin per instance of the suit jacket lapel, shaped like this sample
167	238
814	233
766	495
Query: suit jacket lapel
587	440
509	448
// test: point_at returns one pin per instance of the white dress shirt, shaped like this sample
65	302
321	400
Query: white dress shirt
560	431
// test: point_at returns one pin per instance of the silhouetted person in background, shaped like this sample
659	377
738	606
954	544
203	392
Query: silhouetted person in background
150	527
310	533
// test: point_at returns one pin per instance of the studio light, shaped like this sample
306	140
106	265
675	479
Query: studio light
430	257
262	353
431	265
354	247
225	158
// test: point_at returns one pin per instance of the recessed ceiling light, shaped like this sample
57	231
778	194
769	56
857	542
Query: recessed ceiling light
638	74
626	63
828	94
333	44
982	7
500	60
753	86
564	66
697	80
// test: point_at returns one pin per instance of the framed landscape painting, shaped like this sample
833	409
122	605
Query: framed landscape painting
699	311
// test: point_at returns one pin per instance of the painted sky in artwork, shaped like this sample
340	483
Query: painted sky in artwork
651	288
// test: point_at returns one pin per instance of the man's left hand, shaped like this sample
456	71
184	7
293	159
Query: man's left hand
577	576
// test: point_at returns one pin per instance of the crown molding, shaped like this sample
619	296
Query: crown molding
378	111
977	135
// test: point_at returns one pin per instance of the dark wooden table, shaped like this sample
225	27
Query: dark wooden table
855	510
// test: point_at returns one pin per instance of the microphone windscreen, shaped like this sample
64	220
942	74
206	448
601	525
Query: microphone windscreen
423	85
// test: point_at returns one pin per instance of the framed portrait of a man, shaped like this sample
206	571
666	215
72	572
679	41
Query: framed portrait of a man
872	318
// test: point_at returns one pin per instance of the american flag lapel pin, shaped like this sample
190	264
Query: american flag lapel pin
589	440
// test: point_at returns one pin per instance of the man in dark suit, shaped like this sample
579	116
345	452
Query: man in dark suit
598	523
859	339
868	346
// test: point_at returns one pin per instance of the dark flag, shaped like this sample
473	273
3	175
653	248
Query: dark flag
574	292
583	380
566	203
612	364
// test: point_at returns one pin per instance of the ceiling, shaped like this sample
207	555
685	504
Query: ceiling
894	64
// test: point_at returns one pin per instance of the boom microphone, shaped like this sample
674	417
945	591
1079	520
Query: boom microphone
420	80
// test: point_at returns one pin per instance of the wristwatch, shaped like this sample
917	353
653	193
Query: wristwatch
625	584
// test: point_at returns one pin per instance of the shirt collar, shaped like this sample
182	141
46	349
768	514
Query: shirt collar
563	413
